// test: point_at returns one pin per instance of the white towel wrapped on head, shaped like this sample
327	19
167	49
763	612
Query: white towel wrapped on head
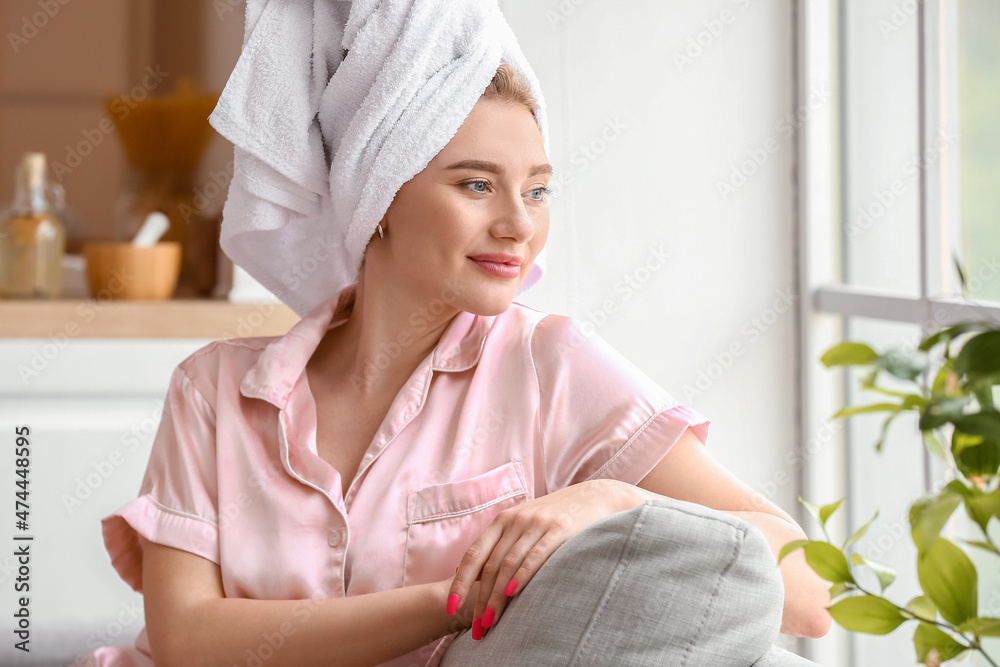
332	107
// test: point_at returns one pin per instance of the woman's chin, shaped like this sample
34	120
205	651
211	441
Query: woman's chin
491	301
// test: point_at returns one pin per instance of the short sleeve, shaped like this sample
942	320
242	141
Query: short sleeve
600	416
178	500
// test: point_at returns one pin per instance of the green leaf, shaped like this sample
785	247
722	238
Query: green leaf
980	354
948	578
812	508
984	396
838	589
942	410
927	637
903	363
889	392
981	507
821	514
960	271
826	511
938	387
960	489
828	562
860	532
790	547
982	386
975	455
933	445
861	409
885	574
929	515
868	381
911	401
982	627
986	424
848	354
867	613
983	545
885	431
923	607
950	333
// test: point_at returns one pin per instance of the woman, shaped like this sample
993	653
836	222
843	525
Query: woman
453	437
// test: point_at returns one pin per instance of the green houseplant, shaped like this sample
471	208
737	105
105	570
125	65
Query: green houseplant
957	396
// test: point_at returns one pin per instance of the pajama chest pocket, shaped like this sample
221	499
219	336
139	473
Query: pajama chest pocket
442	520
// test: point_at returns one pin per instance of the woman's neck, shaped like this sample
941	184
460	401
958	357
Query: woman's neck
389	331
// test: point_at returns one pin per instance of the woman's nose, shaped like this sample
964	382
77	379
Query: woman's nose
514	220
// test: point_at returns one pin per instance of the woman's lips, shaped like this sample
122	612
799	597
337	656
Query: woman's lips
497	269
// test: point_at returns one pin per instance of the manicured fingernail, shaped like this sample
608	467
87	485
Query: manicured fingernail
511	587
477	628
452	604
488	617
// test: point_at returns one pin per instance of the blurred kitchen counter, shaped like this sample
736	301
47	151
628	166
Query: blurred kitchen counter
176	318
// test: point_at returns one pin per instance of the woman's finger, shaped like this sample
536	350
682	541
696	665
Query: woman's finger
463	610
470	568
522	569
502	538
502	563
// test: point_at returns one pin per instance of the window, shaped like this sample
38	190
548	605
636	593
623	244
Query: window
979	111
896	181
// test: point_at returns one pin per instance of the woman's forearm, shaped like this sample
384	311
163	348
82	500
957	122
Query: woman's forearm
358	630
807	595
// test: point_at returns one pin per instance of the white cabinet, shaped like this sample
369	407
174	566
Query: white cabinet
93	410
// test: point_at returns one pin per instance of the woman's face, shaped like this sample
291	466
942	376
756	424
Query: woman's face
450	212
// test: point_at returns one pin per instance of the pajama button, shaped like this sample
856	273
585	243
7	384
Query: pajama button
334	538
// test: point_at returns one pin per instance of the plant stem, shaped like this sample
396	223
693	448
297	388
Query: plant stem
888	392
973	643
943	626
949	460
989	540
976	645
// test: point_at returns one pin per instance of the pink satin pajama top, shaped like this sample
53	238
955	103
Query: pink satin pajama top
505	409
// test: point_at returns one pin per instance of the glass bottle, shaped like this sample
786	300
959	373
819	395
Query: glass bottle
32	239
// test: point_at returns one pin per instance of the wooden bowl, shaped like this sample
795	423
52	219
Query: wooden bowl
125	271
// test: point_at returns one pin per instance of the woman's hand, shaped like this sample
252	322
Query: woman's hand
509	552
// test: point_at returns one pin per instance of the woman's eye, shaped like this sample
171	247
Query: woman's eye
544	192
483	183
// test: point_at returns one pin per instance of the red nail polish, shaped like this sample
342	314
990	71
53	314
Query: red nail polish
511	587
452	604
477	628
488	617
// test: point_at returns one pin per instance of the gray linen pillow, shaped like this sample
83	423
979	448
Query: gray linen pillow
666	583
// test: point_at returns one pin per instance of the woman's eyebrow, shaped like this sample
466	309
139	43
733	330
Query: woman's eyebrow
494	168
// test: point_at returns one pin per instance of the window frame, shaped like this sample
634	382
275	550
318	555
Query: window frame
824	446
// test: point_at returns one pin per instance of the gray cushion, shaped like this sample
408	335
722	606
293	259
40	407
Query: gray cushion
779	657
665	583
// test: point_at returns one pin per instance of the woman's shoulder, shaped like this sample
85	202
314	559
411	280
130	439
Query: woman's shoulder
222	362
549	339
545	330
562	346
517	325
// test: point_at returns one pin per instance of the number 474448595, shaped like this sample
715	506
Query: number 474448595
22	464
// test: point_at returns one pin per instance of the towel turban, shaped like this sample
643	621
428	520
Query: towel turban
332	106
